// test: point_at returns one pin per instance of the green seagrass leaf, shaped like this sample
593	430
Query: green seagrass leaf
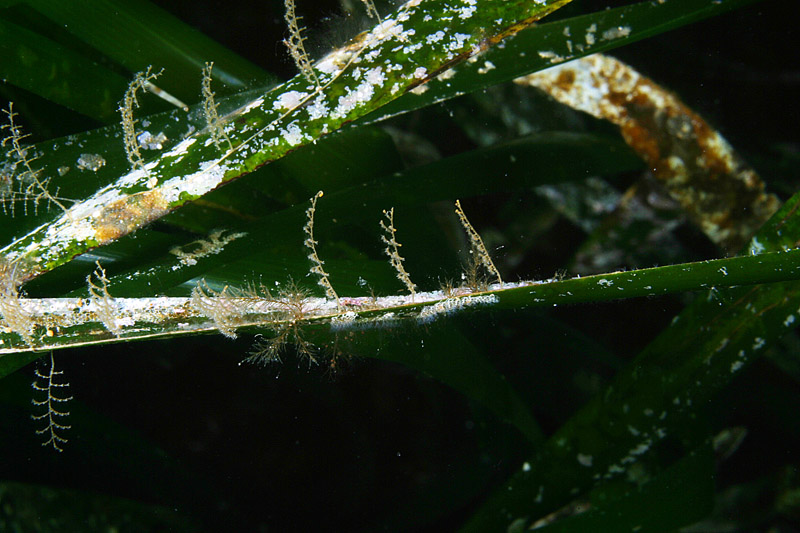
296	114
546	44
446	355
543	158
107	156
678	496
43	67
654	398
137	34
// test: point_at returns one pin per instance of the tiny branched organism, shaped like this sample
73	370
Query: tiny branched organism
371	10
448	287
392	250
130	101
283	313
215	242
14	315
293	307
20	180
104	306
296	46
479	253
311	244
210	109
219	306
52	390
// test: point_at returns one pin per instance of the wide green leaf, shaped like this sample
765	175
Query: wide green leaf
344	86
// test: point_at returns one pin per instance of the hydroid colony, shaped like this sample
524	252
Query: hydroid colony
41	324
302	112
153	188
297	114
48	323
374	69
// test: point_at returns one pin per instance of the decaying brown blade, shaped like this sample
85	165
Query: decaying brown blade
695	164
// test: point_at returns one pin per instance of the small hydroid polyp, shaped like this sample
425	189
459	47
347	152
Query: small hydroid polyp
392	250
126	108
317	263
50	388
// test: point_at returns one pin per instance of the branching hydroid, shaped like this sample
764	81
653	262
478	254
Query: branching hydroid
14	315
20	180
392	250
296	46
188	254
219	306
129	102
311	244
371	10
480	255
52	391
293	303
210	106
105	308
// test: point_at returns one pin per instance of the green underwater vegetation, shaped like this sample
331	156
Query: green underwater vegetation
460	269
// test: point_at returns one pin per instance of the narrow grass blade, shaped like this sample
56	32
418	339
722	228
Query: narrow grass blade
551	43
655	397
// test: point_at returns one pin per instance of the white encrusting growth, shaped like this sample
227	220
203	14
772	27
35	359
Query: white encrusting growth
318	108
617	32
289	100
227	310
434	37
193	185
451	305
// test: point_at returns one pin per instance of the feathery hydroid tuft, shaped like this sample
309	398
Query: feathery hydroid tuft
129	102
480	255
311	244
210	109
392	250
48	383
296	46
21	174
